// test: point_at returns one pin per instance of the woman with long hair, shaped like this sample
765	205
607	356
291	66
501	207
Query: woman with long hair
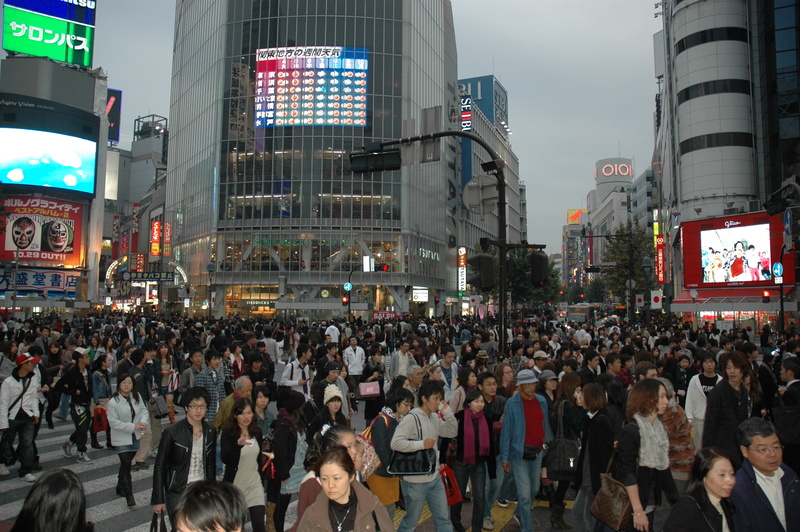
475	453
707	506
597	444
374	371
101	390
642	460
343	503
168	367
240	449
56	501
329	414
506	383
54	368
127	420
567	411
727	408
467	380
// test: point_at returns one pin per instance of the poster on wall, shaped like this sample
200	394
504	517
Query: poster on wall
42	229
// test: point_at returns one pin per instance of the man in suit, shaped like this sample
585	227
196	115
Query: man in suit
129	332
790	371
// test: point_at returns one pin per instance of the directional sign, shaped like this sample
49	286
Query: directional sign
777	269
787	229
348	287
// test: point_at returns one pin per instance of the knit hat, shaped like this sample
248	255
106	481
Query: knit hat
292	400
331	392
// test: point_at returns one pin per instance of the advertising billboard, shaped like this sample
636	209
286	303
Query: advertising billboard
155	238
311	86
46	159
56	29
734	251
39	229
113	113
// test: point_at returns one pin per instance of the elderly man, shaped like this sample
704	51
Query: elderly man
767	492
415	376
243	388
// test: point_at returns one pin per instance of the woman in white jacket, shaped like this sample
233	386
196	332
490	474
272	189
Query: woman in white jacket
699	387
127	418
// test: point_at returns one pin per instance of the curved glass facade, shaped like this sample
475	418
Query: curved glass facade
269	97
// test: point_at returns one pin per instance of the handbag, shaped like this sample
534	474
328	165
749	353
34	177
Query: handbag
611	505
158	524
451	489
422	462
99	420
367	390
787	422
371	461
562	453
174	381
159	405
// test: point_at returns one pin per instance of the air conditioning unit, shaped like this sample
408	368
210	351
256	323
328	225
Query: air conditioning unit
754	205
728	212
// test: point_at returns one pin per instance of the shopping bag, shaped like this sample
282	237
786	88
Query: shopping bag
367	390
451	488
99	420
158	524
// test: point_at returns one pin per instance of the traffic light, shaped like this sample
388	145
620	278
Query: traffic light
765	296
373	158
436	300
345	300
540	268
381	267
484	280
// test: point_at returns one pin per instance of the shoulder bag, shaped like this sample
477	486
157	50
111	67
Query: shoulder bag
562	454
422	462
7	453
611	505
371	460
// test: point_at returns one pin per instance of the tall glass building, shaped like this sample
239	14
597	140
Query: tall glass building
268	99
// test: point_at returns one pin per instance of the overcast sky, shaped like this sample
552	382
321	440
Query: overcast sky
579	76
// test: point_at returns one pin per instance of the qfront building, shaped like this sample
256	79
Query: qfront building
268	99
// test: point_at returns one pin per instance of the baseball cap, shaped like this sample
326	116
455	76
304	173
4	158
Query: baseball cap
526	376
547	375
26	357
541	354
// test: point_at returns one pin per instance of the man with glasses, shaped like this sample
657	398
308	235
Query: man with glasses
767	492
186	454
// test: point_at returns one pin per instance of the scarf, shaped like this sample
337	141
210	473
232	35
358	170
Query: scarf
654	444
469	436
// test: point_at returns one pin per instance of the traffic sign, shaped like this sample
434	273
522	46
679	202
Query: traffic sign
348	287
777	269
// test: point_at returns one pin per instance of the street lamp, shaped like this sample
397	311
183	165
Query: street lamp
647	267
211	268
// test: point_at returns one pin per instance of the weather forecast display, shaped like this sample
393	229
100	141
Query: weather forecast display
311	86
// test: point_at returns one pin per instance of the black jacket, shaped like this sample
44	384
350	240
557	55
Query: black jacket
230	452
725	410
493	450
598	438
285	444
691	515
72	381
174	454
627	470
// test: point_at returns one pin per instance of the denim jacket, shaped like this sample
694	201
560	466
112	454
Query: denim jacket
512	438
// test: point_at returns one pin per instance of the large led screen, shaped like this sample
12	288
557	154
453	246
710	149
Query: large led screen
44	159
734	251
311	86
737	253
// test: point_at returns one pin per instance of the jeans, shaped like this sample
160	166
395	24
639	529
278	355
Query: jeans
527	477
81	419
416	495
495	488
22	426
63	405
584	520
477	474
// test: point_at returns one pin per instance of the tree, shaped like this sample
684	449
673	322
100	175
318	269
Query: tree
596	292
627	253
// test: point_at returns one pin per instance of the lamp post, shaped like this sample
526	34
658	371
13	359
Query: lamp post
211	268
647	267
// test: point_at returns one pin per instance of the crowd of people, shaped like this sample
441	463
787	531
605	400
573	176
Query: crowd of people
677	414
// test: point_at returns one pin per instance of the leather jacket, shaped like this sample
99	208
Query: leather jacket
171	470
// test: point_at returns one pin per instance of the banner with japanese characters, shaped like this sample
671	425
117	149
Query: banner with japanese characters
40	34
41	279
39	229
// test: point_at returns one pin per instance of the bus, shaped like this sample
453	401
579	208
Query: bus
580	313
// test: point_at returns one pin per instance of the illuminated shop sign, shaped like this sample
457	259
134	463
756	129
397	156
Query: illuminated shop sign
39	34
155	238
462	268
311	86
466	113
660	260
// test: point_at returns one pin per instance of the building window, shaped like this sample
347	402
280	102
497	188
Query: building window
739	86
716	140
712	35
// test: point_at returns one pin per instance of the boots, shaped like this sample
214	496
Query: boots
171	413
125	484
557	516
95	444
271	516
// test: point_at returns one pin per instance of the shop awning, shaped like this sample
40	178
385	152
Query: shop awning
735	299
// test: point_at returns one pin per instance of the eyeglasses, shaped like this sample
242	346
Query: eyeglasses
775	449
409	405
197	407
